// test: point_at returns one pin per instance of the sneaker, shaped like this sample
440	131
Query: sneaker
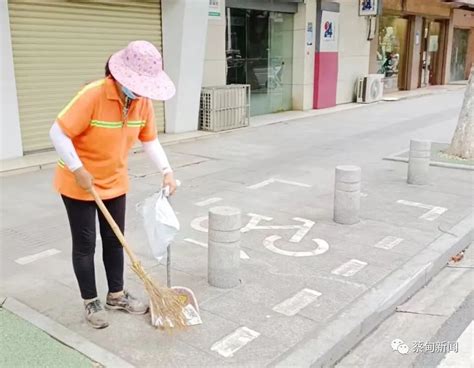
127	303
95	314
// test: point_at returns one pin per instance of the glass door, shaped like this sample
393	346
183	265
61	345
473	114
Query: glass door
458	55
259	53
280	64
258	60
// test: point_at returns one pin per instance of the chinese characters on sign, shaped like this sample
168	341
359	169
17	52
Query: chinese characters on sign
214	9
368	7
309	34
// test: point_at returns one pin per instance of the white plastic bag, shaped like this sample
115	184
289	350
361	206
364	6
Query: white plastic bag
160	222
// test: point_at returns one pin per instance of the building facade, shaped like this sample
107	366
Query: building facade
294	54
281	49
423	43
51	48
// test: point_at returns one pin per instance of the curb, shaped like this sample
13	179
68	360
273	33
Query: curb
432	163
323	348
64	335
452	88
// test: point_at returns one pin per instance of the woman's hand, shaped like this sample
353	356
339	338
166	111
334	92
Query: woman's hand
170	182
84	179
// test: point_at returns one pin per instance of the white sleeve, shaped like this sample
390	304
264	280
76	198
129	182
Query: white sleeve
155	151
64	147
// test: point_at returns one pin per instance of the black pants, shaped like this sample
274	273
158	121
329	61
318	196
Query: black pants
82	215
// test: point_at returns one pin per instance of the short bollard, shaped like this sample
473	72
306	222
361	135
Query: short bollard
224	247
347	195
419	162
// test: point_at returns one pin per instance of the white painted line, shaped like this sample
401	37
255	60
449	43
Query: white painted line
415	204
192	241
297	302
388	242
350	268
37	256
269	243
433	213
254	221
464	356
234	342
303	185
208	201
302	230
243	255
261	184
196	224
273	180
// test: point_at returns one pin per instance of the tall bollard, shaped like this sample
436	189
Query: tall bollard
347	195
419	162
224	247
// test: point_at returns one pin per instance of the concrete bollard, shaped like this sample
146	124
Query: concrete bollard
347	195
419	162
224	247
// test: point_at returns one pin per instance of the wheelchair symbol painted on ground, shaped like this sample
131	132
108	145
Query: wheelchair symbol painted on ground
301	227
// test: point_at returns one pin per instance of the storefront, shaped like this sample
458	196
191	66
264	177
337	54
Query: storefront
58	46
412	44
259	51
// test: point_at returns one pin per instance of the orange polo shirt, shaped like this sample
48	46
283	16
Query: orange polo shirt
94	122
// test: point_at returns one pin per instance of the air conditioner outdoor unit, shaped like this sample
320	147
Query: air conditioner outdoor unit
370	88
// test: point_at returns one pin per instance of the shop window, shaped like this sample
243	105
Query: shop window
259	51
391	51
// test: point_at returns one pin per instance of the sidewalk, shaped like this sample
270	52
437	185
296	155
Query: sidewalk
23	345
249	325
45	160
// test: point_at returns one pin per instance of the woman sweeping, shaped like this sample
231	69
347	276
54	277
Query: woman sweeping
93	135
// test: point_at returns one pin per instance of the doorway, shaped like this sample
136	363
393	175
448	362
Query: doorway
259	51
459	54
431	60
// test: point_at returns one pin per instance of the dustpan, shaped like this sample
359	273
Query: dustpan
186	297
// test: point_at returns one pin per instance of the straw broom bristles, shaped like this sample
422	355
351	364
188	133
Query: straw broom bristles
164	302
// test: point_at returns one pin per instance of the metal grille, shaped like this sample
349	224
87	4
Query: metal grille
225	107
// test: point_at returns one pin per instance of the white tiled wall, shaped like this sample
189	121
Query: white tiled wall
215	59
354	50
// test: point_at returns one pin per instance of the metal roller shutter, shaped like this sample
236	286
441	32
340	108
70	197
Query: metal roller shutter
59	45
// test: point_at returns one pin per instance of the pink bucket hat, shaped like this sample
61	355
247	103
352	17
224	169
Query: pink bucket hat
139	67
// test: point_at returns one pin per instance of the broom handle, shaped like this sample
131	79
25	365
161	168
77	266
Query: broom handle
113	225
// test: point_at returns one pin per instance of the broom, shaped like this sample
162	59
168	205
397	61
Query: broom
164	302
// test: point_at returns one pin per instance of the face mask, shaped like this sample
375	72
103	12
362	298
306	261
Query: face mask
128	93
